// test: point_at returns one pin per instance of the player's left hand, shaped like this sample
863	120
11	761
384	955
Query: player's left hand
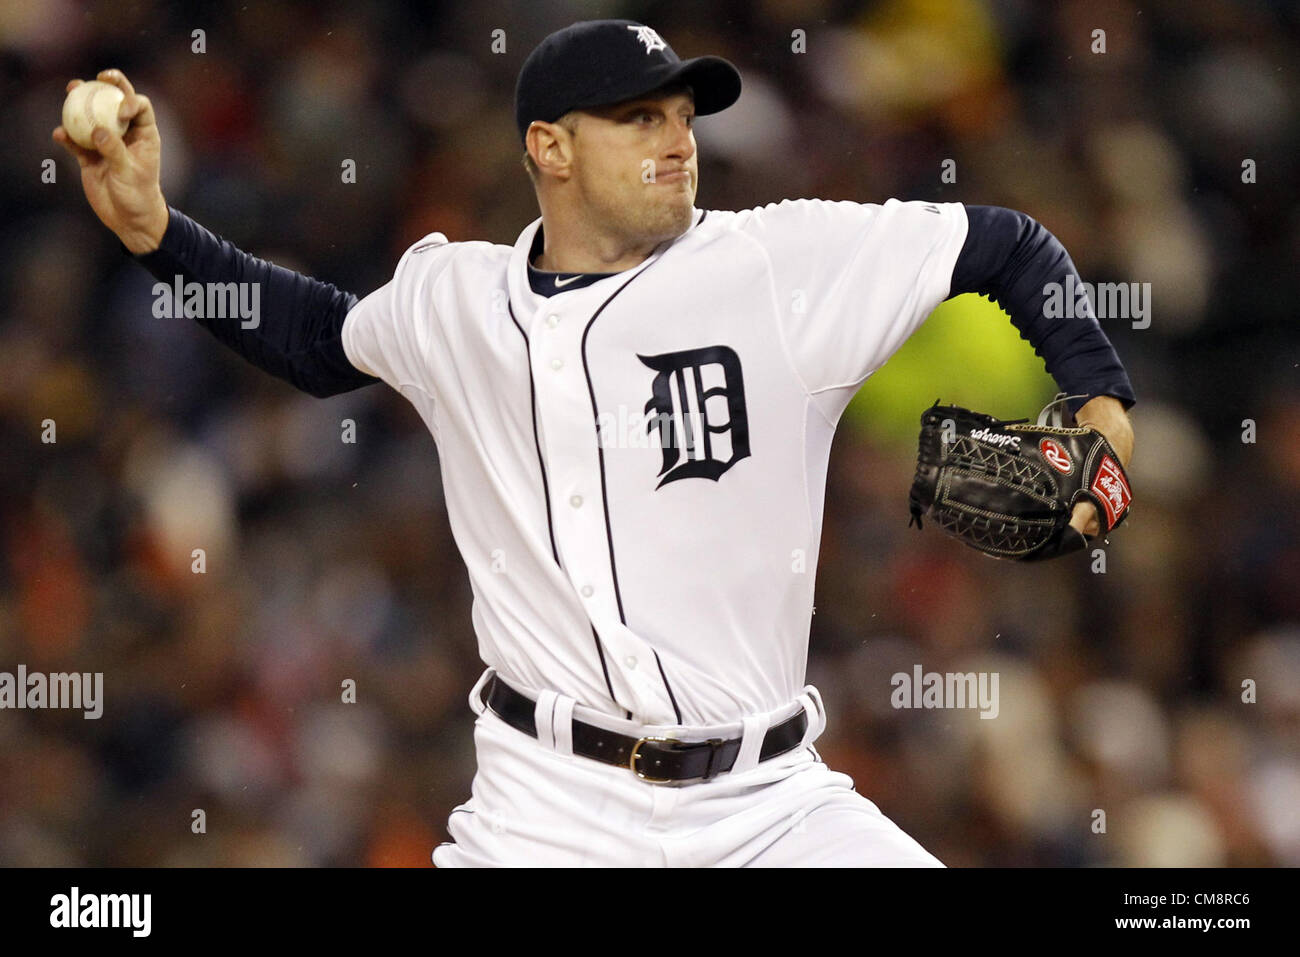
1105	414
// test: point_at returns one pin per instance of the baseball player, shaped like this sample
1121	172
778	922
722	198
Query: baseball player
633	407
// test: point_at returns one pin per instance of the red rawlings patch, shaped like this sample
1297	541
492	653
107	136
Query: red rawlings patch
1111	487
1056	455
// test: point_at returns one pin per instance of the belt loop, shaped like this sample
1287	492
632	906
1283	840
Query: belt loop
476	702
751	742
811	699
563	724
544	716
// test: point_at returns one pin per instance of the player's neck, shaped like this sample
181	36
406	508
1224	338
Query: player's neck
571	247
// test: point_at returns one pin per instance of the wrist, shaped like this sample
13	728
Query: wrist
149	236
1106	414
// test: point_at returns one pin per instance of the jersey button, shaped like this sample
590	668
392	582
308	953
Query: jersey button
552	321
630	661
587	591
557	364
575	501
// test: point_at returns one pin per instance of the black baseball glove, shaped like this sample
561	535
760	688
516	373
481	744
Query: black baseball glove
1008	488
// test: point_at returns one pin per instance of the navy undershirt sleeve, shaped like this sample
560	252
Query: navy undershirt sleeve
298	336
1012	259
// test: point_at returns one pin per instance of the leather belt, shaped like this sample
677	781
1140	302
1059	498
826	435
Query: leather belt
653	759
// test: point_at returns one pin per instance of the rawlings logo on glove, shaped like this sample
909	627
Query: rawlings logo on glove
1008	488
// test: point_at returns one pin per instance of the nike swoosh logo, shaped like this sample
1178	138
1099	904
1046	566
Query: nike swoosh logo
561	283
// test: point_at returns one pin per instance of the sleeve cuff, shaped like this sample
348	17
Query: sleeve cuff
1125	396
170	240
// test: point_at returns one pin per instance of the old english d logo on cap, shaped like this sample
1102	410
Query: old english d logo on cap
596	63
651	39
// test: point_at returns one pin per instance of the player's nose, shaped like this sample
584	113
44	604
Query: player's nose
681	142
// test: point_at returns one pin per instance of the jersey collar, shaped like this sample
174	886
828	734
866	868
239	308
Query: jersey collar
522	297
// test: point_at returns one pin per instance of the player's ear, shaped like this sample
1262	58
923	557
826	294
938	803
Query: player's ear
551	147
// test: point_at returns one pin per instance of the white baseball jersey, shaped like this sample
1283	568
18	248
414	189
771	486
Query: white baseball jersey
634	470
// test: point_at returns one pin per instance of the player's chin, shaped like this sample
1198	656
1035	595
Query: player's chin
675	210
676	224
672	193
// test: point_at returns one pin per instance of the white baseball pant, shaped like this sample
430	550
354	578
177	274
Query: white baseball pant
536	804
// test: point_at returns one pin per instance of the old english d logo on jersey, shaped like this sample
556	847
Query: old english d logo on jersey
694	444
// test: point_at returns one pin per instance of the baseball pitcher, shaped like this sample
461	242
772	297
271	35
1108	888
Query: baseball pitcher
633	407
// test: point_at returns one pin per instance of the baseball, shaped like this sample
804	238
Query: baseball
90	105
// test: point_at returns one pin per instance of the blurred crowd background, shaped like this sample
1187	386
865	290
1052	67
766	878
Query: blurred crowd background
1120	691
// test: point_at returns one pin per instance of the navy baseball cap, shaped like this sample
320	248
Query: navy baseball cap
599	62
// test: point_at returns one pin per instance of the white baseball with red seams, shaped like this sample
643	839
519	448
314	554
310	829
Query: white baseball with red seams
89	105
644	588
